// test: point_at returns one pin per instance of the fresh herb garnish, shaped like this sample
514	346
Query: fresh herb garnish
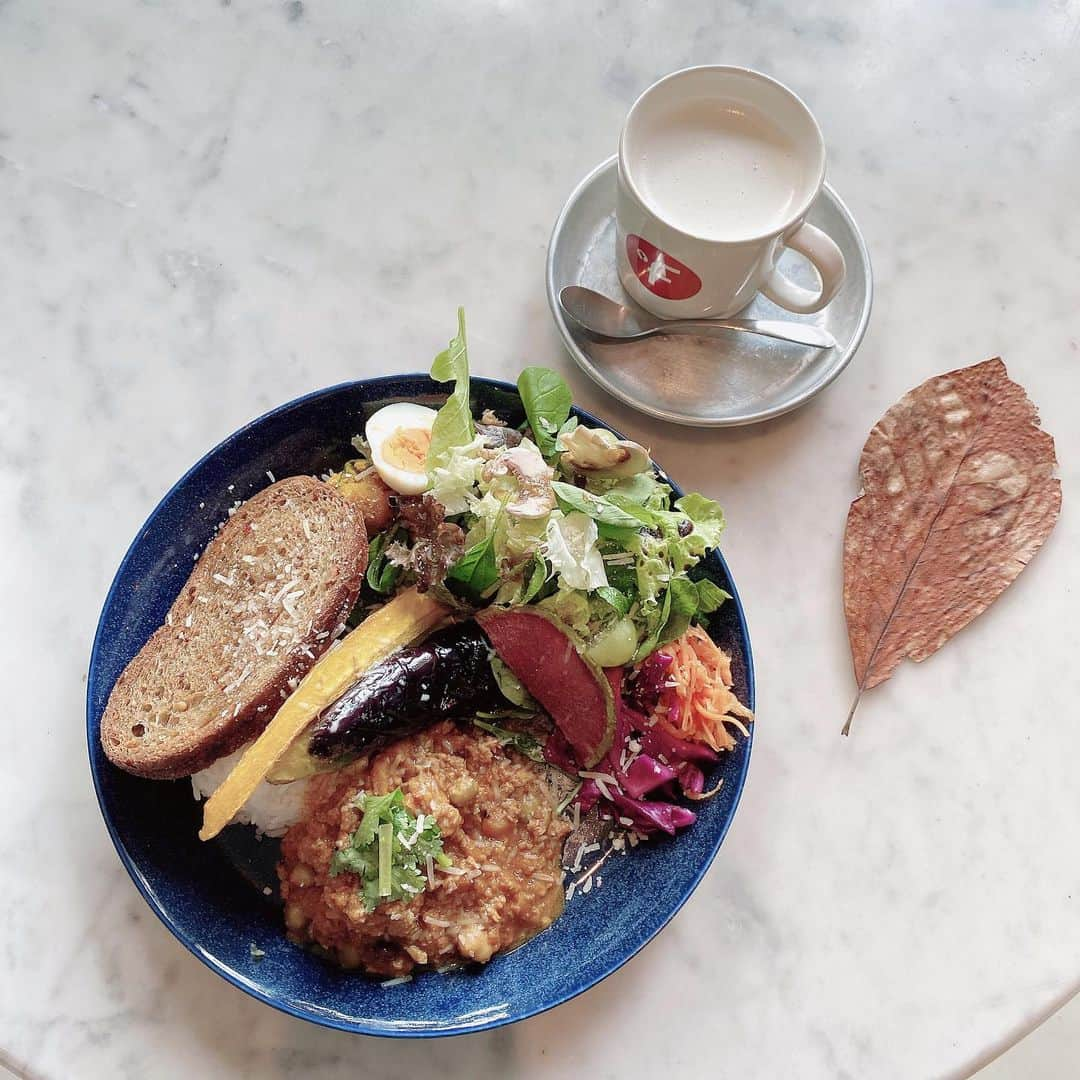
389	849
547	400
515	740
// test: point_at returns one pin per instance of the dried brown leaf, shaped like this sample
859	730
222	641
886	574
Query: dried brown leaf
958	495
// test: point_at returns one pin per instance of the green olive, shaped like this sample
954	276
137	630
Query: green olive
615	645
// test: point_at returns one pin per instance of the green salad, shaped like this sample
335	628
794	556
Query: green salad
557	514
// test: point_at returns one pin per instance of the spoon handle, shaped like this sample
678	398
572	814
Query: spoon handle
799	333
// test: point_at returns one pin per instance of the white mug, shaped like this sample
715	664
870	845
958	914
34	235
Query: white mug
718	167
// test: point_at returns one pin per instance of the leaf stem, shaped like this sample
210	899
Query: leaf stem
851	714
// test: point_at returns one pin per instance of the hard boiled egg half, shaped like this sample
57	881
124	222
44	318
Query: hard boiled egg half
399	436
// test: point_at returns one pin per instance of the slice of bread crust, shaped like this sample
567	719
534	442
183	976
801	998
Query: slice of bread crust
266	598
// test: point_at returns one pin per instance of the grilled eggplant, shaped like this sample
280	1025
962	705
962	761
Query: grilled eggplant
446	677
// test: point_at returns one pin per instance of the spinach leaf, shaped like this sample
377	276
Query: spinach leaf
621	536
547	402
476	571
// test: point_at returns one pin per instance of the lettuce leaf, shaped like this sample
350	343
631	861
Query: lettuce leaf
547	400
454	423
599	508
684	600
571	549
571	606
455	475
644	488
517	538
710	596
707	518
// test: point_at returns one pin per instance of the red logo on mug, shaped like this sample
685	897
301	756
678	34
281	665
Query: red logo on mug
660	272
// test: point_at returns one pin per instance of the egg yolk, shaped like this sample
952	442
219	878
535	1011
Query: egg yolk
407	449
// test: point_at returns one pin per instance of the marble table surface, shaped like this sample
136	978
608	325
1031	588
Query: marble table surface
207	209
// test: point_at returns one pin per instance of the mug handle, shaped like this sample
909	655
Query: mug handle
828	260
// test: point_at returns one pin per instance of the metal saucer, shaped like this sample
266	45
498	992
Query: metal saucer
719	381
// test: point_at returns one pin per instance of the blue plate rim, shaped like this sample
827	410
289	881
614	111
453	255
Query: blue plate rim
232	977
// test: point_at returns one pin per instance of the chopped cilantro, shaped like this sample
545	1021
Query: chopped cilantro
389	849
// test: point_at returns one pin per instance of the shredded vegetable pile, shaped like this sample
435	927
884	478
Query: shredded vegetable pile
695	700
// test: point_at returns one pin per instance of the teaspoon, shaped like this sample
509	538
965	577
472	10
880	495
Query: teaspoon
605	320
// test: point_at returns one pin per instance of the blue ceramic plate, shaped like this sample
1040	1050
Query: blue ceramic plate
211	895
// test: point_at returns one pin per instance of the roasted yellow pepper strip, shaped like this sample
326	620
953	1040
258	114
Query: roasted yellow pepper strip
402	621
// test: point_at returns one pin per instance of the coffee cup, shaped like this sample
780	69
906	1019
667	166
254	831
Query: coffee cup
717	169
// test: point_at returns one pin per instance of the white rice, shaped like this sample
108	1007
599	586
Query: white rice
272	808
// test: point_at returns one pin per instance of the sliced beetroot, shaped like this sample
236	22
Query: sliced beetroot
543	655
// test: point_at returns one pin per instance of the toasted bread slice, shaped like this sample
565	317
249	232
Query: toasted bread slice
266	598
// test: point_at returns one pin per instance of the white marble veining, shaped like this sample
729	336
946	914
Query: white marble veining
206	210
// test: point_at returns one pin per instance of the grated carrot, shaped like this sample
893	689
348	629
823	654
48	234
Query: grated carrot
701	703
